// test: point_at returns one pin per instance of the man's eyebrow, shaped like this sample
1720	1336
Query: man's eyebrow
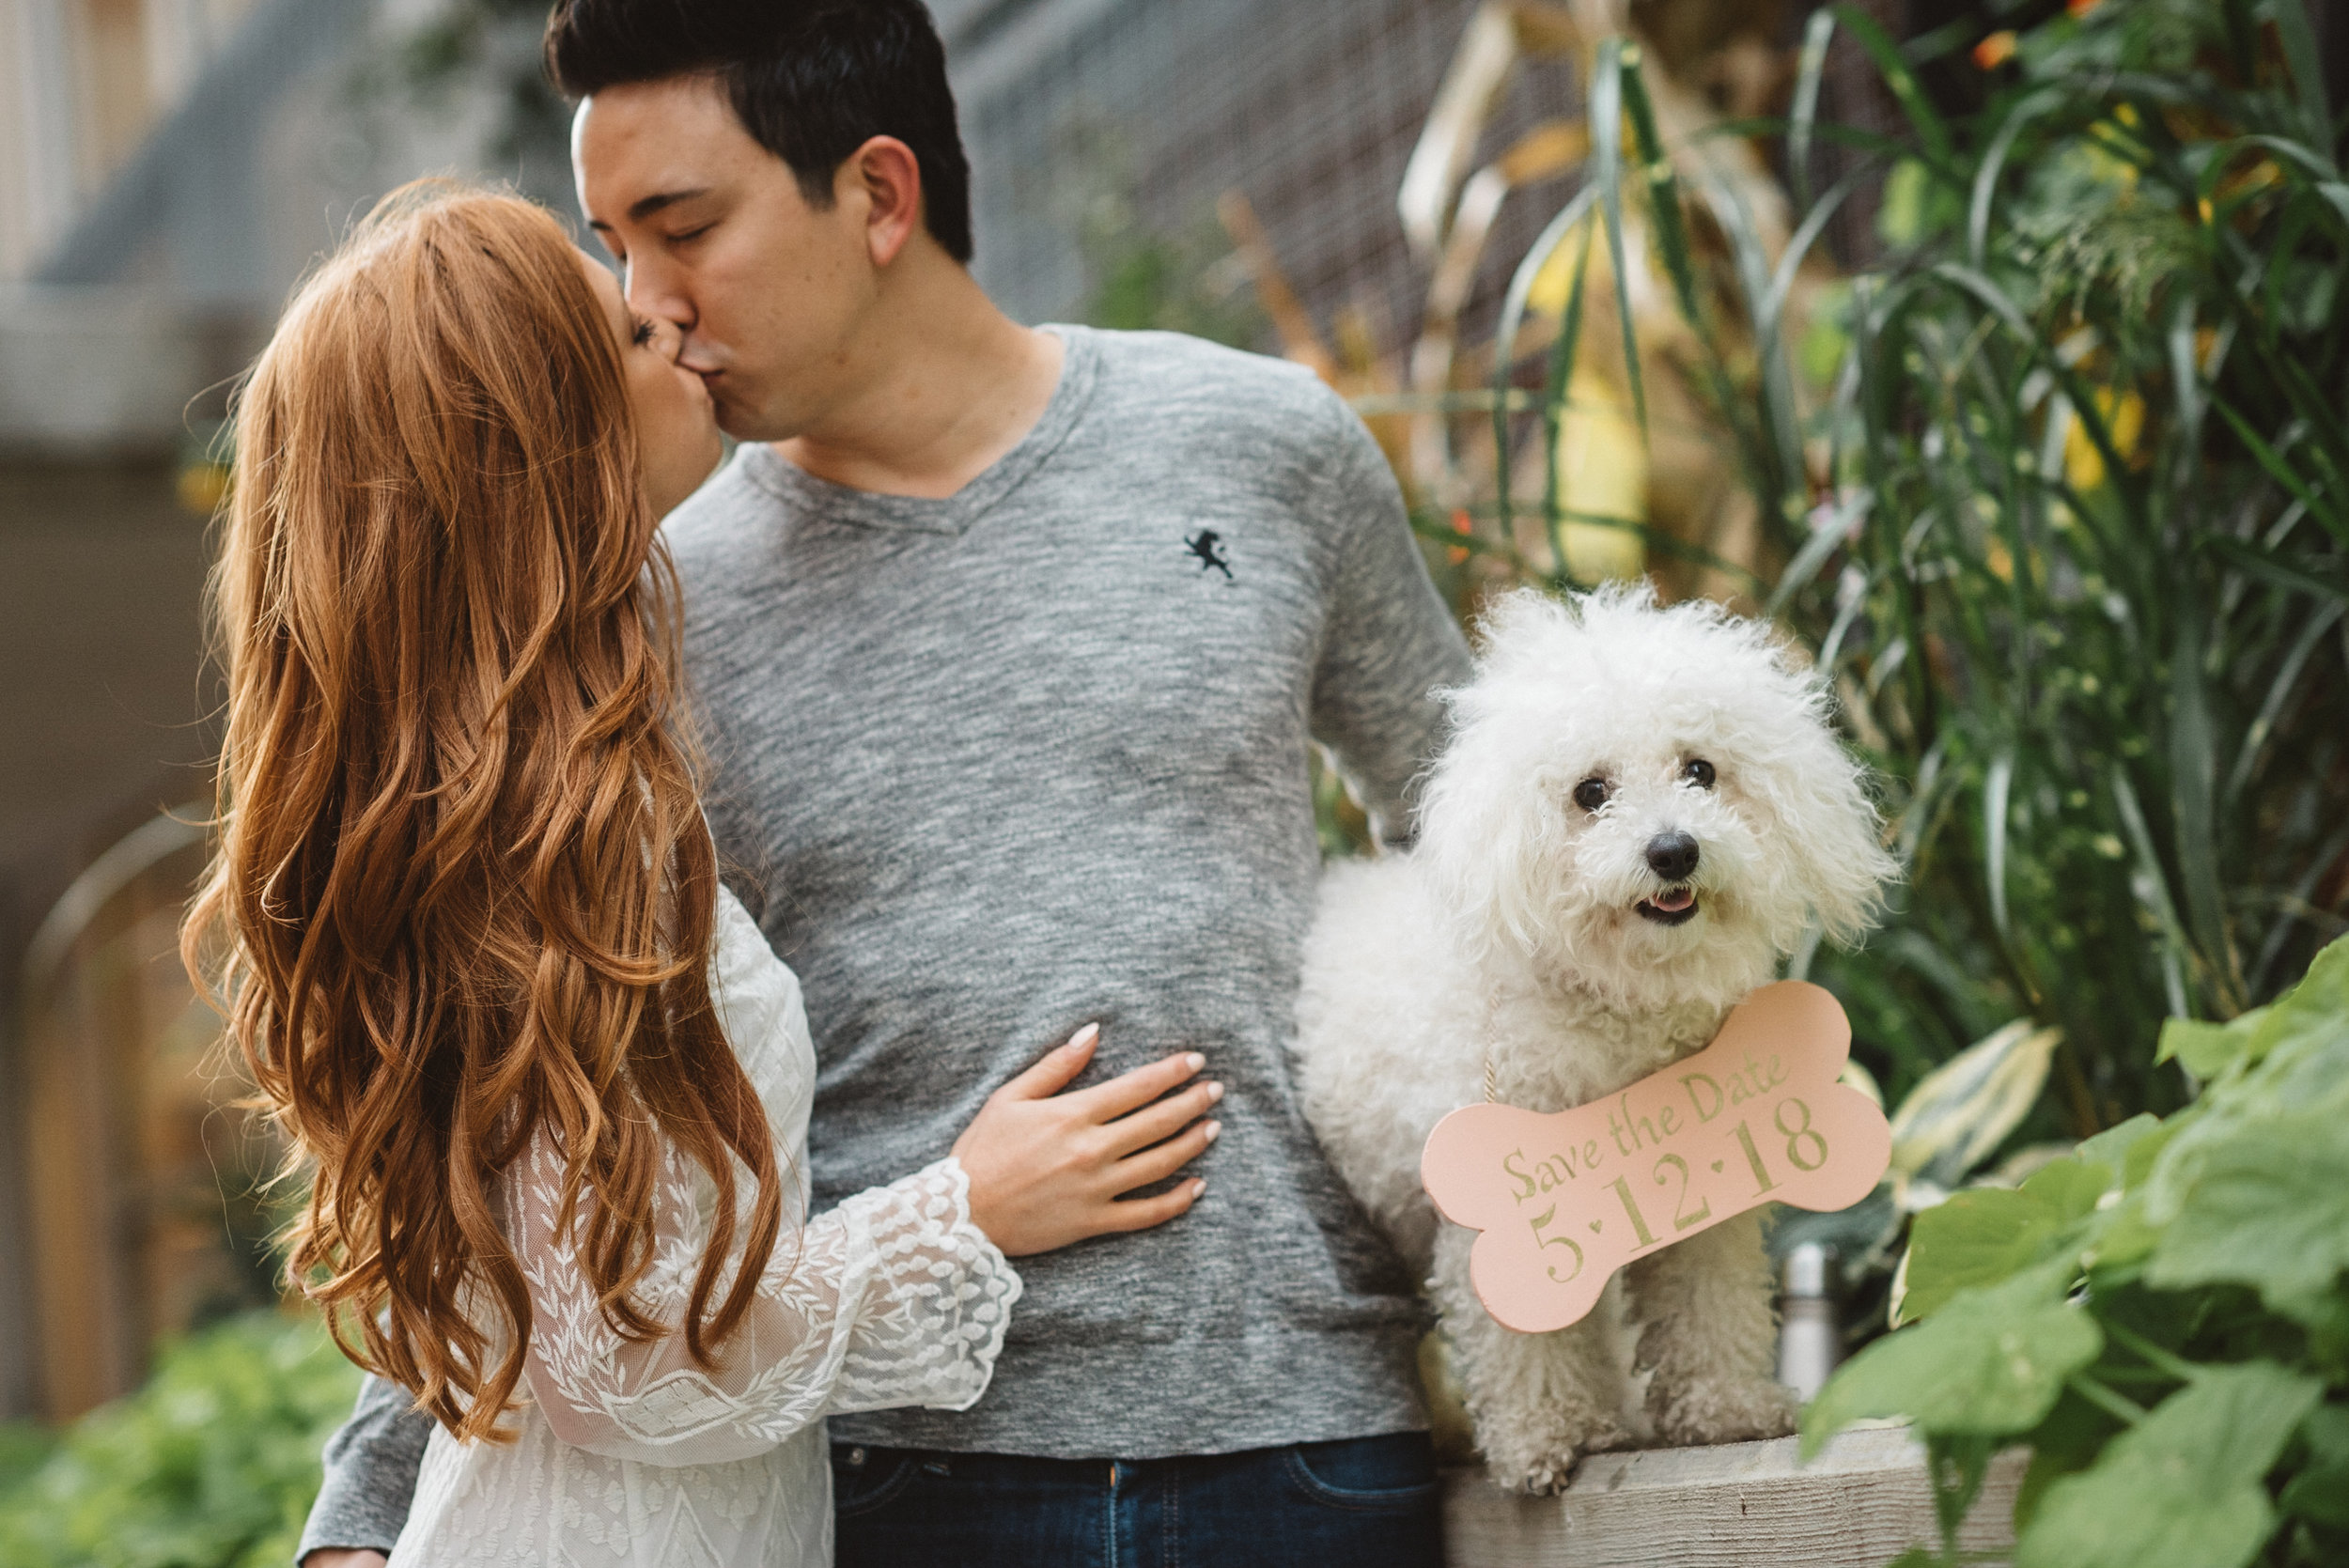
652	204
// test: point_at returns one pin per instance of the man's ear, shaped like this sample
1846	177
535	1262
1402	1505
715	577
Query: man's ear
885	170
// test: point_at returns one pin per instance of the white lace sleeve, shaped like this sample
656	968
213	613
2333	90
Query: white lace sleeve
895	1298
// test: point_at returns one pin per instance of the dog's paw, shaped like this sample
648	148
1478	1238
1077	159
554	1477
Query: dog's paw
1541	1467
1724	1411
1543	1477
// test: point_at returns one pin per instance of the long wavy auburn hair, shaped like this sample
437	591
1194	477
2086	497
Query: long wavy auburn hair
462	887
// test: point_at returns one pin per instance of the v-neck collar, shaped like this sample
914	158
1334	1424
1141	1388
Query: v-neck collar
806	495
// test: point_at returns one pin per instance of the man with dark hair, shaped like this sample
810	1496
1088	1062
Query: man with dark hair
1011	645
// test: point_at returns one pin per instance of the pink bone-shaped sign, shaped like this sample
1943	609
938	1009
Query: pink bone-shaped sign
1564	1199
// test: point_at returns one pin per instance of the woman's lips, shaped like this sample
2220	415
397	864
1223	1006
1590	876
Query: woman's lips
1670	907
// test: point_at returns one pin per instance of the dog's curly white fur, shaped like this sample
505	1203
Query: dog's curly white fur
1639	813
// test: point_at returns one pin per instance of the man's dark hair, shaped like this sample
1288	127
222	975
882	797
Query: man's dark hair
811	81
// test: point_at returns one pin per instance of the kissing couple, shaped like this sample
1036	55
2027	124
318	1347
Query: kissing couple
742	988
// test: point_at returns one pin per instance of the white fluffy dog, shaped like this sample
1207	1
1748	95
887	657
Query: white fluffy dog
1638	814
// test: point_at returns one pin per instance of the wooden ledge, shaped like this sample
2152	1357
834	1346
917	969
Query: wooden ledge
1859	1504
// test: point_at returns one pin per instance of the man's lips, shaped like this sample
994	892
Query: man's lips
1671	906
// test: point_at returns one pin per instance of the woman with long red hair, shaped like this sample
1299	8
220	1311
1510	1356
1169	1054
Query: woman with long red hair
547	1083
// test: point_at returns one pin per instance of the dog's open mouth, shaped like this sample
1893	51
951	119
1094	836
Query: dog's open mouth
1671	906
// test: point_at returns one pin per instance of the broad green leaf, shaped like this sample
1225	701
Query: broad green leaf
2321	1490
1963	1110
2067	1442
1979	1238
1986	1234
2114	1146
2264	1204
1989	1363
2072	1186
2145	1149
2310	1021
2182	1488
2208	1049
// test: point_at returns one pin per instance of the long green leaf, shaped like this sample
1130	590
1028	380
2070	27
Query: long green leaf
1663	186
2281	472
1512	321
2194	820
1561	359
2186	381
1829	533
1994	826
1816	33
1994	164
1606	173
2278	692
2307	64
2152	888
2266	566
1931	128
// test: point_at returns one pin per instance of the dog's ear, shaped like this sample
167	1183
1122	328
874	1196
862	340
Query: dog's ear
1486	839
1831	813
1479	832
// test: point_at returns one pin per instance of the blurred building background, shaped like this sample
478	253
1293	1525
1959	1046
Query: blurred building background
167	170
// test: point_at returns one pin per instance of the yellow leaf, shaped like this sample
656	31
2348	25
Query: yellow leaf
1963	1109
2124	420
1602	471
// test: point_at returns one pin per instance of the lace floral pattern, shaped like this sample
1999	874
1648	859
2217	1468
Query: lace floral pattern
631	1453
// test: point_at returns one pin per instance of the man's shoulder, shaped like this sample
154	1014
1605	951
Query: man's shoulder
1172	373
711	532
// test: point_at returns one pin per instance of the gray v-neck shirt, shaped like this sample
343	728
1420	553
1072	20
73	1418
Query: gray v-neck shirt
995	766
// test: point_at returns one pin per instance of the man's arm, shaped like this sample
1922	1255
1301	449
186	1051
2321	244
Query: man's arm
1390	639
370	1477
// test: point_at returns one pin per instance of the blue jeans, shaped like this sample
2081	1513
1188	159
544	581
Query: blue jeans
1366	1502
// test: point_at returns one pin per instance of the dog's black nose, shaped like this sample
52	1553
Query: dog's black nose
1673	856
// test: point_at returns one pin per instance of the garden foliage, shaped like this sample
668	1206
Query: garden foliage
212	1465
2162	1316
2063	493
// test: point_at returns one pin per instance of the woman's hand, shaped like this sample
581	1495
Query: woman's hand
1046	1168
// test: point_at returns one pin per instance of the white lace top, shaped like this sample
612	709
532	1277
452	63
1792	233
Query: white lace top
629	1454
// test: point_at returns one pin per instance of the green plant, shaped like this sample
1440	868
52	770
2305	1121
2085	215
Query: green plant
1946	1132
213	1463
2162	1317
2090	502
2068	522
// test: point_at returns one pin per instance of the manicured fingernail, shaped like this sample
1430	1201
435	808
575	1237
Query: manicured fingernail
1215	1093
1198	1186
1194	1061
1215	1129
1085	1037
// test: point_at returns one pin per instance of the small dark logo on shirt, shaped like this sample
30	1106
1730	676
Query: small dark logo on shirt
1208	546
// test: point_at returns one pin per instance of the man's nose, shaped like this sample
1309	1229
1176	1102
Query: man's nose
1673	856
649	292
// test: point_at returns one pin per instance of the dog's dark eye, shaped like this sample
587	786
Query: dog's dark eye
1698	772
1591	794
